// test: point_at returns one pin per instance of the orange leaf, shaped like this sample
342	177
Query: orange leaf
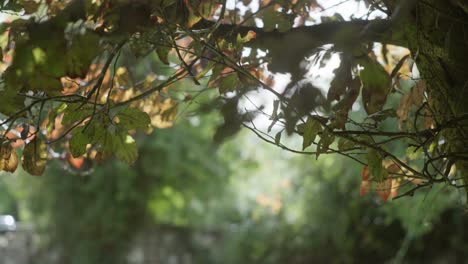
365	173
384	189
364	188
395	186
76	163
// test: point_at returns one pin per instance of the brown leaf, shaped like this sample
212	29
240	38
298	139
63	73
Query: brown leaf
364	188
11	164
340	81
414	98
395	187
8	158
35	157
417	93
384	189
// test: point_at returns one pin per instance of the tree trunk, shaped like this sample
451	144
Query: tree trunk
438	40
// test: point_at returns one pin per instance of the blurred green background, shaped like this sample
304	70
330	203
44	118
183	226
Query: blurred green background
187	200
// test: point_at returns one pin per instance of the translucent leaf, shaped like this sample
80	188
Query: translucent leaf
345	144
124	147
311	128
365	187
78	143
384	188
229	83
73	114
35	157
132	118
250	35
8	157
376	170
326	139
163	53
365	173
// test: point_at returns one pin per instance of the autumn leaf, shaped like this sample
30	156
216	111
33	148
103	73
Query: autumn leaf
384	188
8	157
35	157
76	163
365	173
364	188
249	36
414	98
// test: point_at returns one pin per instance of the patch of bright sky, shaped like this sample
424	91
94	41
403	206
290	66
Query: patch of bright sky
275	163
319	76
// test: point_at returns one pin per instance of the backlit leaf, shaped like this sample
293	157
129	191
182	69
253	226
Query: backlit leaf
345	144
78	143
35	157
326	139
376	170
132	118
311	128
384	189
8	157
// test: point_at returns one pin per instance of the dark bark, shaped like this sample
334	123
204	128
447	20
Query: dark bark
438	40
287	49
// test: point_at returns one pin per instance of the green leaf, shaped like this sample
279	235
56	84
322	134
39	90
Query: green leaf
273	19
123	147
78	143
229	83
374	162
53	115
72	114
250	35
326	139
414	153
311	128
345	144
163	53
132	118
376	84
95	132
81	53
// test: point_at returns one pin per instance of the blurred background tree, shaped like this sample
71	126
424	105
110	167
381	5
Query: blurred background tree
242	202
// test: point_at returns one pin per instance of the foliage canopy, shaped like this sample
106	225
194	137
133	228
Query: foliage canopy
80	77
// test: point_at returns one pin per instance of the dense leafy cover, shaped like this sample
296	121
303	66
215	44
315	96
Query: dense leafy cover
70	88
